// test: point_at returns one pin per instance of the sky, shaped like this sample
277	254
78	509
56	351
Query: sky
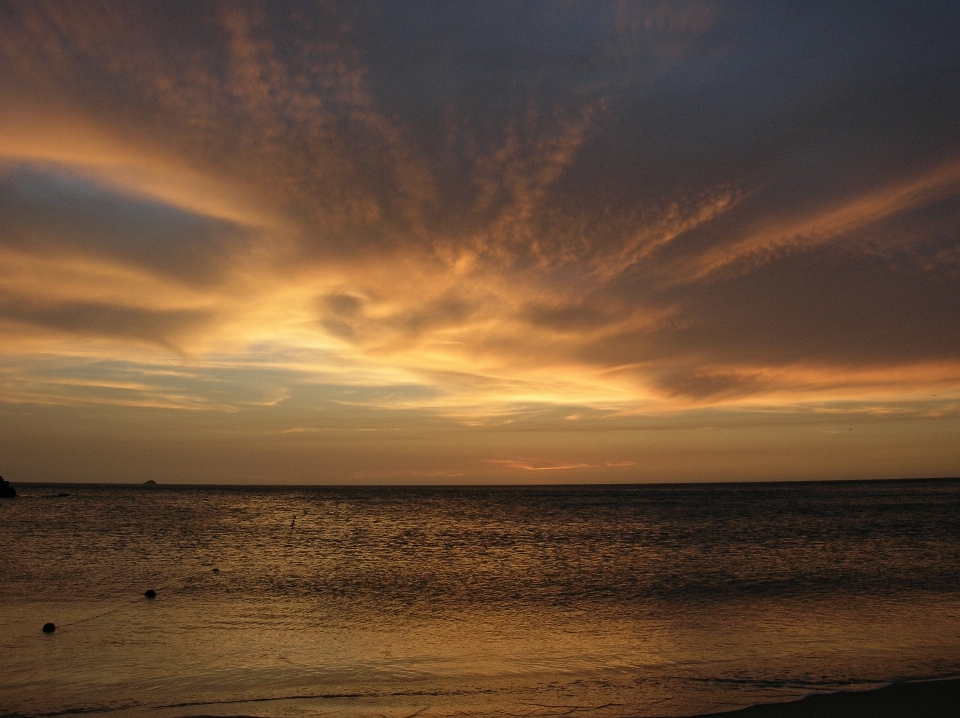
469	242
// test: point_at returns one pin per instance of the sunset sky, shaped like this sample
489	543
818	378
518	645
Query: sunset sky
460	242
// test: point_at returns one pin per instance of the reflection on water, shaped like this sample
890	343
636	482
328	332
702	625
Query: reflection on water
627	600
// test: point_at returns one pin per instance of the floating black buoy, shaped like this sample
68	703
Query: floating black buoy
150	593
216	570
48	628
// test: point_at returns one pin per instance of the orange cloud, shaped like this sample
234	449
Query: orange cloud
830	224
535	465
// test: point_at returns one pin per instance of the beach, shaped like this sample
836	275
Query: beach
927	699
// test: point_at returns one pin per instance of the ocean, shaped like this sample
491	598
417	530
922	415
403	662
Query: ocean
603	601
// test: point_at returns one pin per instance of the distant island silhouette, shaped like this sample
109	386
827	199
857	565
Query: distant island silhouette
149	482
6	490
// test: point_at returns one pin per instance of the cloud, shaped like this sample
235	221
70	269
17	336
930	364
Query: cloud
534	465
527	465
44	211
601	205
828	225
163	328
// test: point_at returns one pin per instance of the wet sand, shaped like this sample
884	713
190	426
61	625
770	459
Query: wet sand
927	699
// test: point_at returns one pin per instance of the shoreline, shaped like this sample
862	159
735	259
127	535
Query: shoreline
938	698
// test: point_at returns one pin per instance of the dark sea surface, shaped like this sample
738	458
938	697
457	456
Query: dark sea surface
549	601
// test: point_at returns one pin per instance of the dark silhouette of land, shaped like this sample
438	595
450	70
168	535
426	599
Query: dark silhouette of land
6	490
925	699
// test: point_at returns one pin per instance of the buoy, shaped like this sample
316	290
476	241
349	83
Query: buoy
48	628
150	593
216	570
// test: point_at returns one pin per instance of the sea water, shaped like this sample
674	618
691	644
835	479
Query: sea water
523	601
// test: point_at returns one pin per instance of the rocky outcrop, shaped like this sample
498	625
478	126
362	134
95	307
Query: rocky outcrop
6	490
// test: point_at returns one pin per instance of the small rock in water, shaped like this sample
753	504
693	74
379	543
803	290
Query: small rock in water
150	593
48	628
